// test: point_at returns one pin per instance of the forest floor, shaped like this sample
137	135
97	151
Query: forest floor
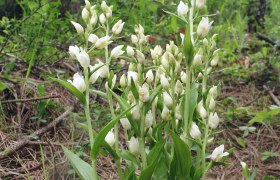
239	102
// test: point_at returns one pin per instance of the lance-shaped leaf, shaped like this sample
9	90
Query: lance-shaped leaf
182	160
100	138
153	158
188	47
72	89
124	105
83	169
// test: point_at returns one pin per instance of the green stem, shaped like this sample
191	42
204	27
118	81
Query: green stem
142	139
187	100
203	160
90	131
174	100
86	73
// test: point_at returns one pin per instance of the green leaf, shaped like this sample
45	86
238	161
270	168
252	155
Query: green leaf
3	86
134	90
83	169
241	142
130	157
175	15
268	154
102	134
99	93
265	116
153	158
193	102
124	105
71	89
188	49
182	160
151	99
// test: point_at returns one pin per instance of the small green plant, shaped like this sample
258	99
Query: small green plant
166	107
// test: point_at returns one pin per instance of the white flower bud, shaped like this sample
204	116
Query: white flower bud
94	18
109	12
85	14
208	71
74	50
144	93
104	71
92	38
203	27
182	9
140	57
79	28
243	165
213	120
130	98
116	52
164	62
78	82
200	76
87	4
150	76
129	51
102	42
138	29
132	75
125	124
83	58
149	119
117	28
114	80
123	81
136	113
104	6
215	61
177	69
214	92
165	114
197	60
168	102
156	52
178	87
201	110
133	145
218	153
178	112
93	78
102	18
183	77
164	82
212	103
200	4
194	131
205	42
134	39
110	138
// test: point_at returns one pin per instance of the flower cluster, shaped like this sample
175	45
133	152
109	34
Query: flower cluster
164	91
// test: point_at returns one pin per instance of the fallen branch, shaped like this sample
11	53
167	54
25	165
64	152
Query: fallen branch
274	98
31	99
25	140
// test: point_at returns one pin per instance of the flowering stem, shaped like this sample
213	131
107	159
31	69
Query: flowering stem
203	151
142	139
187	99
90	131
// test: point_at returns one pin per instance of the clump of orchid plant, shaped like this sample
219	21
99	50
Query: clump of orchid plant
166	107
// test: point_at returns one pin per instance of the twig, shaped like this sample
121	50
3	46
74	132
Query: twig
274	98
31	99
25	140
